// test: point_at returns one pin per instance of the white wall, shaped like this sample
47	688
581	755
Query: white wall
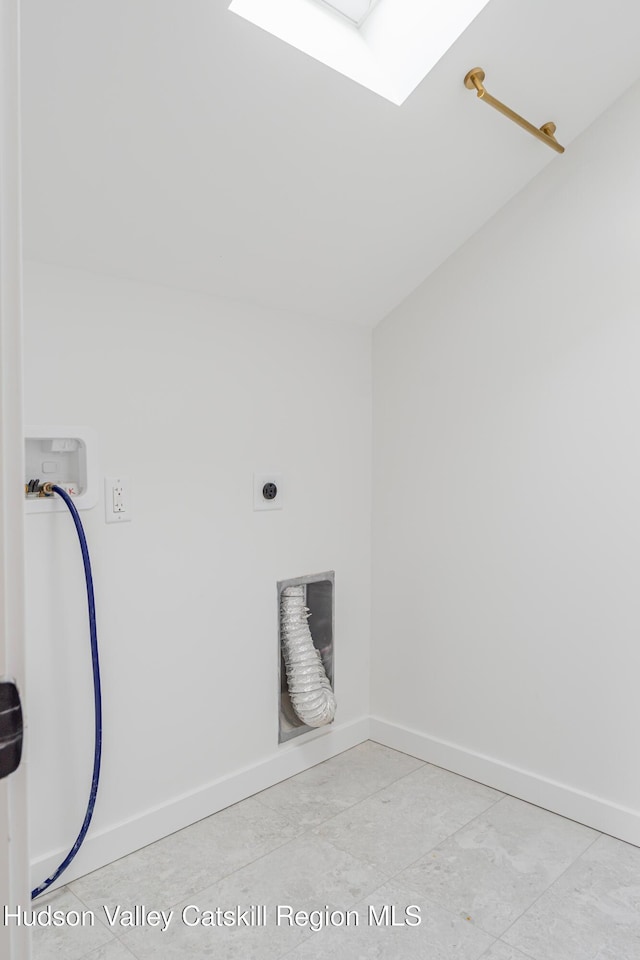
507	489
188	395
505	522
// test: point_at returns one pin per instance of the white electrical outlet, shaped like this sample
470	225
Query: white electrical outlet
268	491
117	503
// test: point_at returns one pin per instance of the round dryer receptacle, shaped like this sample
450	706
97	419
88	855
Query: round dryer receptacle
269	491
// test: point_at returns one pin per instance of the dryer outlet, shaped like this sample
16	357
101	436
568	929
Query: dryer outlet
268	490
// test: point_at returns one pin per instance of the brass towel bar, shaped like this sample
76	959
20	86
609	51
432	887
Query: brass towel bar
474	81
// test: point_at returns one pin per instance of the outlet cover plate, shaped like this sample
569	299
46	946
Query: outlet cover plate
117	500
259	481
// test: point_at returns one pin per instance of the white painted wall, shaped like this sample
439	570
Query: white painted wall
505	522
188	395
506	495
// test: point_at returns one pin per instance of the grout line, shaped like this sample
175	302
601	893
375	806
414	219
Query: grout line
100	925
95	950
397	876
218	879
320	823
311	831
87	907
307	831
262	857
126	946
552	884
503	943
388	879
395	750
527	956
428	900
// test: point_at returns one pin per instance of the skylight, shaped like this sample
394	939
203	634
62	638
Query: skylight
354	10
395	45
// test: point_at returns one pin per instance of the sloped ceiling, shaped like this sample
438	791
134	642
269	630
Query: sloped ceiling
170	141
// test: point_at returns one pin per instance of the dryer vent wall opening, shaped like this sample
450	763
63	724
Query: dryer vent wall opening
306	654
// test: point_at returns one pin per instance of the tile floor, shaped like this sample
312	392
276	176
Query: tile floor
495	878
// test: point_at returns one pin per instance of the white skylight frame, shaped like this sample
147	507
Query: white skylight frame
356	11
392	51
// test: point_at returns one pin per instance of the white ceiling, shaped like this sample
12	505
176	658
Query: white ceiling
172	142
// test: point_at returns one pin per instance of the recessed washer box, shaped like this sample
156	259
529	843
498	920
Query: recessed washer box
65	456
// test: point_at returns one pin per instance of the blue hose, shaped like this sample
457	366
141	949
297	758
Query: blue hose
97	756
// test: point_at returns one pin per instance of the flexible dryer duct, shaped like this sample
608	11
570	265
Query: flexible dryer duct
309	688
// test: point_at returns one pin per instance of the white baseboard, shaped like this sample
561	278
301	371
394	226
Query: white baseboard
596	812
123	838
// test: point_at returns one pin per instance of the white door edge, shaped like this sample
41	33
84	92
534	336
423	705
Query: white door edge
14	880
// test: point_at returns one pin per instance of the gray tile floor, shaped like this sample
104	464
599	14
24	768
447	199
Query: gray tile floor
494	878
